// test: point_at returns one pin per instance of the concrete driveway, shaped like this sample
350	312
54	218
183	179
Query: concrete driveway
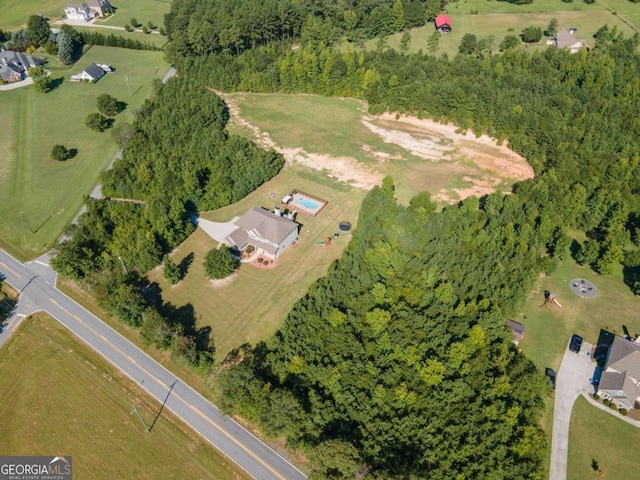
216	230
572	380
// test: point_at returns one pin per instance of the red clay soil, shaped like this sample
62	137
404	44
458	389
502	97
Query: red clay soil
270	265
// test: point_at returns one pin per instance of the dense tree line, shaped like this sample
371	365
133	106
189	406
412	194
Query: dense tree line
113	40
202	27
177	160
400	357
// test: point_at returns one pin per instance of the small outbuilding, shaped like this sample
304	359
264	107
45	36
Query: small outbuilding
517	329
443	23
92	73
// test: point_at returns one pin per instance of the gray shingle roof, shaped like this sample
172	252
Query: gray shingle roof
267	225
624	356
95	71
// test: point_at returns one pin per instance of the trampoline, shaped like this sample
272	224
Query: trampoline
583	287
344	226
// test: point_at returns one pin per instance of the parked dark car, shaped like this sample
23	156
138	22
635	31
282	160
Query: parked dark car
550	372
576	343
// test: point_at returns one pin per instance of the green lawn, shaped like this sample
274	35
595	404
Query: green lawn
62	398
336	136
40	196
499	23
143	11
548	328
15	13
252	305
596	436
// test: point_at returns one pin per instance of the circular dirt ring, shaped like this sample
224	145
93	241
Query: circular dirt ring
344	226
583	287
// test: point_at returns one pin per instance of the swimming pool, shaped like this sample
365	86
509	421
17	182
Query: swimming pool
307	203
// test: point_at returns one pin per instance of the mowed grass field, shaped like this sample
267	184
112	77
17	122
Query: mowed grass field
59	397
495	22
143	11
251	305
39	196
596	436
15	13
548	328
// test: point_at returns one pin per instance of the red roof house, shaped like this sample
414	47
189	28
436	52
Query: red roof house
443	23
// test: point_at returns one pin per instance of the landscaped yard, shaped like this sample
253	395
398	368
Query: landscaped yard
251	305
598	438
39	196
548	328
14	13
59	397
143	11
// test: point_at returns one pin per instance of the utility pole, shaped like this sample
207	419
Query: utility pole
123	267
126	80
136	410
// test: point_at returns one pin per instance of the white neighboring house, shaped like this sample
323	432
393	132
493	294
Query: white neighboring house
78	11
566	39
87	10
92	73
267	231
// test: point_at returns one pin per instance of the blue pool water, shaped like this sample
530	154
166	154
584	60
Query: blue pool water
305	202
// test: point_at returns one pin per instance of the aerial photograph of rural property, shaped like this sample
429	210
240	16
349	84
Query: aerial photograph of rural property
295	239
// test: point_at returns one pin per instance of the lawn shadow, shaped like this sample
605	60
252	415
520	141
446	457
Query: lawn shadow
574	248
152	293
185	263
55	83
73	152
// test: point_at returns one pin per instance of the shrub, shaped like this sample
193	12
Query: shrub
97	122
531	34
108	105
134	22
218	263
624	412
162	32
613	406
60	153
250	249
145	29
606	402
128	28
150	25
596	396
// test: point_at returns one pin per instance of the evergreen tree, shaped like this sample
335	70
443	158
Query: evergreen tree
171	270
39	30
65	48
218	263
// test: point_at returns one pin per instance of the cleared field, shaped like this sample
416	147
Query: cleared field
39	195
251	305
64	398
358	149
597	438
586	20
548	328
142	10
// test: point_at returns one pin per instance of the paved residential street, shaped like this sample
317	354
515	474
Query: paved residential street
36	283
572	380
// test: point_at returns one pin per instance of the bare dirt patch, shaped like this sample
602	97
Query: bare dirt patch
222	282
435	141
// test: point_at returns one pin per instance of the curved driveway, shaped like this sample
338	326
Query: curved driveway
36	280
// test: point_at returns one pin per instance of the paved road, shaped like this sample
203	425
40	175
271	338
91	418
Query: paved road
572	380
35	282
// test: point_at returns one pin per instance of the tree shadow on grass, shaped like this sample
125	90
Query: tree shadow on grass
185	263
73	152
55	83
